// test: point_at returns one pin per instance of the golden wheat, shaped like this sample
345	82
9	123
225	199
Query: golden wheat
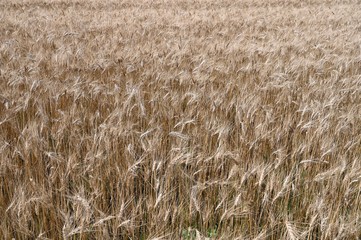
188	119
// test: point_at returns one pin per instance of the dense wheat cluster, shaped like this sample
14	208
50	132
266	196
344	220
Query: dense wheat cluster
188	119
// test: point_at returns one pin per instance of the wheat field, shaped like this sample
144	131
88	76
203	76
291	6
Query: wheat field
180	119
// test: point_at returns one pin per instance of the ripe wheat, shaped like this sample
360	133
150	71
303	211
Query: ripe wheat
188	119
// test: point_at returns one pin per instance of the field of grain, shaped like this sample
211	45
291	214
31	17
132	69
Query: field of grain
180	119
